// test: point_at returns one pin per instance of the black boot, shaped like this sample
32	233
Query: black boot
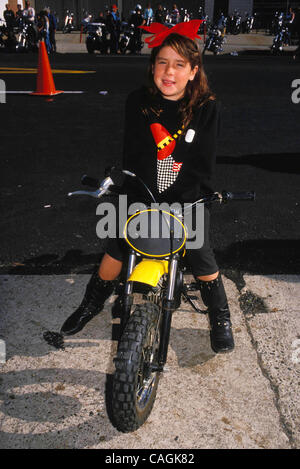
97	291
214	297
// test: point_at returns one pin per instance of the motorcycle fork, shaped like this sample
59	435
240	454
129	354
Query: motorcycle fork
168	307
128	296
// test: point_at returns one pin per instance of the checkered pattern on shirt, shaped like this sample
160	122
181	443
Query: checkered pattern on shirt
166	176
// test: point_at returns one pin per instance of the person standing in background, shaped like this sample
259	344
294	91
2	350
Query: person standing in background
9	17
113	26
148	14
175	15
29	12
160	16
52	29
19	13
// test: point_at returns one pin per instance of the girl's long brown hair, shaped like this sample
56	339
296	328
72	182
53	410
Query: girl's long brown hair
197	92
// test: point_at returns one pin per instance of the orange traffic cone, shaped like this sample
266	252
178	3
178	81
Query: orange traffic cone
44	83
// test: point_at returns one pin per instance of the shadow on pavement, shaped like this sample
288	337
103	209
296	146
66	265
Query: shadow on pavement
65	421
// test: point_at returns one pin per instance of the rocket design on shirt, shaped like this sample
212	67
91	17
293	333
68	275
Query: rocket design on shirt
167	168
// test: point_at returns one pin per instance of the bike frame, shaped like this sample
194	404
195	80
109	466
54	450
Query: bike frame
167	308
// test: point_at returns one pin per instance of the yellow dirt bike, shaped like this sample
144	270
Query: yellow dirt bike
155	262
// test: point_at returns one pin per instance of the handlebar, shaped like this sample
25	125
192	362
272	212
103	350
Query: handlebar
107	186
250	195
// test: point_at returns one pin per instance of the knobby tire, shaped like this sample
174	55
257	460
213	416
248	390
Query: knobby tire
132	359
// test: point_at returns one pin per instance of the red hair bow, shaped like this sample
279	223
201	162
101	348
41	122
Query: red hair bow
160	31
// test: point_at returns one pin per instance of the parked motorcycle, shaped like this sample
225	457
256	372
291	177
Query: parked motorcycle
214	41
21	38
130	40
26	36
96	38
185	16
168	18
234	23
69	23
145	329
8	40
247	24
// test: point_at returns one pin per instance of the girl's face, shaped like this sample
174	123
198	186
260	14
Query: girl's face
171	73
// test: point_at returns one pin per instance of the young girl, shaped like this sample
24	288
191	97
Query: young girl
171	129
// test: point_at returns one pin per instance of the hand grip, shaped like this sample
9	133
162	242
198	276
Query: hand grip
249	195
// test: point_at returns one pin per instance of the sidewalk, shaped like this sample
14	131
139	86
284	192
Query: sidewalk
70	43
246	399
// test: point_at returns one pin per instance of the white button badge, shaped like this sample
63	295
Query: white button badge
189	136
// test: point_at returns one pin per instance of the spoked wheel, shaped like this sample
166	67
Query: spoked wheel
135	381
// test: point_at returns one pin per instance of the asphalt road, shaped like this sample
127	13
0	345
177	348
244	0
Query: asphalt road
47	145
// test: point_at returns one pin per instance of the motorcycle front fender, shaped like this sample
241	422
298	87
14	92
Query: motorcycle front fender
149	271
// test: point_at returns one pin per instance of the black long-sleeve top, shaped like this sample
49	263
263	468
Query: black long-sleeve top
196	174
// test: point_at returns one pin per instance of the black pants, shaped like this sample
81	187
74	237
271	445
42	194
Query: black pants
114	41
201	261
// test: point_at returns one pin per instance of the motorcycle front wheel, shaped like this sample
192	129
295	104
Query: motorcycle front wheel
134	382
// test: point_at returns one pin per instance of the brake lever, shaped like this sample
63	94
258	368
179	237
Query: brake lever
96	194
103	189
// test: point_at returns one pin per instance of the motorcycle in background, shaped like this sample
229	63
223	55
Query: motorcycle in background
27	36
129	41
168	19
69	23
234	23
185	16
21	38
96	38
247	24
7	39
214	41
